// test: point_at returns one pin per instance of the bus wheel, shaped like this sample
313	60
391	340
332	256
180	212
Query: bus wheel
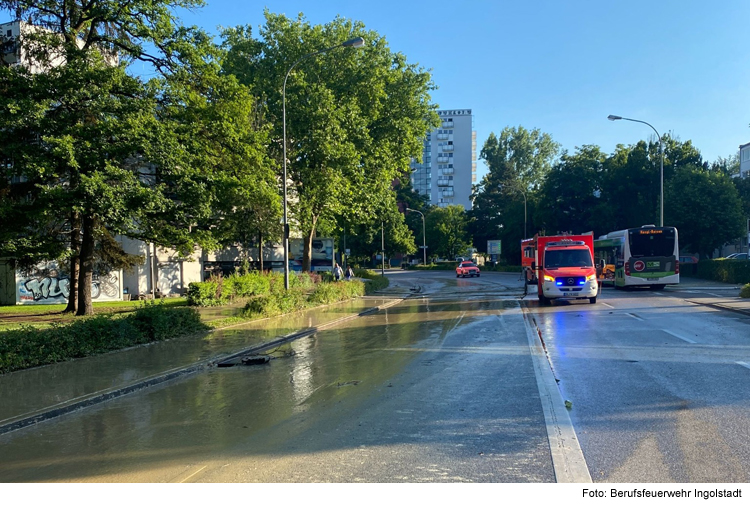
592	299
658	286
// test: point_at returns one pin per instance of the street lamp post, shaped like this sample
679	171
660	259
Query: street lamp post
382	247
524	211
357	42
424	238
661	149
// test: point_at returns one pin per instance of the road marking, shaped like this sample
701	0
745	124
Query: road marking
744	364
194	473
607	305
660	294
567	457
713	294
680	337
634	316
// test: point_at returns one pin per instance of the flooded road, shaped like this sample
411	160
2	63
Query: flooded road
436	389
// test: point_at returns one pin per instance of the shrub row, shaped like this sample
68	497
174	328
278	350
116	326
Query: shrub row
724	270
220	290
30	347
295	299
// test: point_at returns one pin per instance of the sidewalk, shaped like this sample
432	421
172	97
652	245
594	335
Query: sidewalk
33	395
730	303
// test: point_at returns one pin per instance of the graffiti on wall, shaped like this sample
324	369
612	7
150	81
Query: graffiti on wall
47	284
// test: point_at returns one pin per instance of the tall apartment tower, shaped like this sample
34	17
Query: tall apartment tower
449	168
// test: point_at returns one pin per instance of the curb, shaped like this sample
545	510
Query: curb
746	312
29	419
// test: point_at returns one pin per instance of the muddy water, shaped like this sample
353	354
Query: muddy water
209	421
32	390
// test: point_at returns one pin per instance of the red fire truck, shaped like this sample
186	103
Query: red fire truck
528	256
565	268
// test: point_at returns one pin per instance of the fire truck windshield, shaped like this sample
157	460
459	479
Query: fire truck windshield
567	258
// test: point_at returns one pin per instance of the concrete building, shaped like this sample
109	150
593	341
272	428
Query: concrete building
448	169
744	161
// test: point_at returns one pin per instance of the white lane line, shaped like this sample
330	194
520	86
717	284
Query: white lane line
744	364
194	473
679	337
714	294
567	457
634	316
660	294
607	305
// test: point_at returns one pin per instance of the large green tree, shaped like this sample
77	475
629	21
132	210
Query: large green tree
447	233
705	207
355	118
505	200
106	151
571	193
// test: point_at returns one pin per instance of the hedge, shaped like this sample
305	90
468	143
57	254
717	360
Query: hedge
281	301
724	270
29	347
222	290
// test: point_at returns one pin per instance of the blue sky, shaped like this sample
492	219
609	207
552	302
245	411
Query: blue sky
561	66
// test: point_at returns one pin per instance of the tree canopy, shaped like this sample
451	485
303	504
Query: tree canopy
355	118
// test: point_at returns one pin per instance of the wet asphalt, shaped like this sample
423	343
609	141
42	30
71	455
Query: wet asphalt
434	389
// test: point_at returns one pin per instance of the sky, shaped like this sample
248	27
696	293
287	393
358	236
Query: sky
560	66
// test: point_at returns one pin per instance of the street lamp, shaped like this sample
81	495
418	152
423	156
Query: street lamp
524	210
357	42
424	242
661	149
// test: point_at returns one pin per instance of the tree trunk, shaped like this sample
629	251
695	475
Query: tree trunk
86	272
260	251
307	248
75	247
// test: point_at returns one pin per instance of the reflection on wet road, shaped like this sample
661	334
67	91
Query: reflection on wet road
434	389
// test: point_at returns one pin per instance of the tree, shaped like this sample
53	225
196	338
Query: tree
572	193
355	118
705	208
518	161
110	152
447	231
520	156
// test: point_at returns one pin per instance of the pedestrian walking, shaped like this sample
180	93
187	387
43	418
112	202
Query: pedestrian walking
349	273
337	271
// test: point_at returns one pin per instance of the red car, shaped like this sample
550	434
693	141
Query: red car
467	269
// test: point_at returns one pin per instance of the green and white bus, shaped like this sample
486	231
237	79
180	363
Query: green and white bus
644	256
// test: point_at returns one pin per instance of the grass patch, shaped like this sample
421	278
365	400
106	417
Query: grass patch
35	310
29	346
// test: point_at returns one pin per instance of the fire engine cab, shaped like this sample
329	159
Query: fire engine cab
565	268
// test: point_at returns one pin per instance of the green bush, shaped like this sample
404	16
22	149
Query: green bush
336	291
745	291
273	304
29	347
373	281
241	285
724	270
157	323
205	294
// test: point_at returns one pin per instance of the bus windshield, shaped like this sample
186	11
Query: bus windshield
567	258
652	243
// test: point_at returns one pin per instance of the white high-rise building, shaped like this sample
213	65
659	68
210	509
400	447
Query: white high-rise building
448	169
